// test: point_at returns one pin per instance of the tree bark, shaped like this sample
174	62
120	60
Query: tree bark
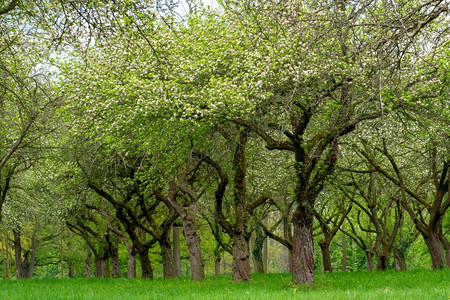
146	265
87	261
176	252
102	266
131	268
399	260
434	246
193	245
25	265
71	270
303	265
344	254
217	259
326	257
241	255
370	260
258	248
115	265
383	260
167	258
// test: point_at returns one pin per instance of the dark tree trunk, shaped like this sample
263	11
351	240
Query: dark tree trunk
434	246
217	258
115	265
258	248
167	258
113	248
176	252
399	260
326	257
241	255
344	254
146	265
87	261
193	245
25	265
383	261
71	270
303	265
370	260
102	266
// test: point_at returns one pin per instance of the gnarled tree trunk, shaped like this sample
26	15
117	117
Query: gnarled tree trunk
167	258
241	255
193	244
303	265
146	265
434	246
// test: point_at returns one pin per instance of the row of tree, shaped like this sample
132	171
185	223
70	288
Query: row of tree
280	119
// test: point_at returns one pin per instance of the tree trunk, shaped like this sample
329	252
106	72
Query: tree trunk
241	255
18	255
25	266
115	263
131	268
167	258
217	259
344	254
193	245
176	252
399	260
434	246
146	265
102	266
71	270
383	260
326	257
258	249
370	260
303	265
87	262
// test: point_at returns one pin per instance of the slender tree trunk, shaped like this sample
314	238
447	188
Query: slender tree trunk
146	265
217	258
71	270
344	254
34	244
241	258
303	265
434	246
8	258
18	255
370	260
115	262
167	258
326	257
258	249
131	269
193	244
399	260
87	261
176	252
266	255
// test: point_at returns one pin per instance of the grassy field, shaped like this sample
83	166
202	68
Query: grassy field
361	285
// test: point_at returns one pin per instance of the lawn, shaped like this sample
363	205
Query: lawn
359	285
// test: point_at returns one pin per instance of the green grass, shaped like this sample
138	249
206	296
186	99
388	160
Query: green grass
360	285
